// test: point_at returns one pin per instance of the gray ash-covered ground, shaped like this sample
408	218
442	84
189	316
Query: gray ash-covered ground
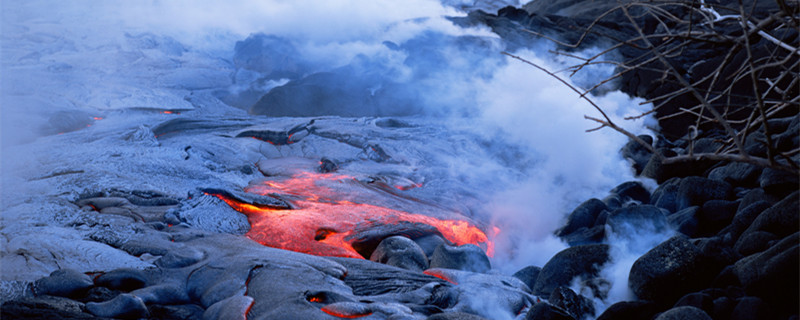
133	157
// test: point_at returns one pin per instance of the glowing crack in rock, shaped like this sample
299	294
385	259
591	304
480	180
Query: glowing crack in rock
330	210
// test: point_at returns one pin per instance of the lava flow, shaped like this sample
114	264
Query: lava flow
329	215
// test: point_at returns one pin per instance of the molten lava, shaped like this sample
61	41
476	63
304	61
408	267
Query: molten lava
330	211
441	275
335	311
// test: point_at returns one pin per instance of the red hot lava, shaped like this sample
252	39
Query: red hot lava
328	209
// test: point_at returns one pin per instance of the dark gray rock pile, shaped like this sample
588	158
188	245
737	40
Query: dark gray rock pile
735	255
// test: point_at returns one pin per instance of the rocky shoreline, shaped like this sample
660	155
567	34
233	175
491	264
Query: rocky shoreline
713	240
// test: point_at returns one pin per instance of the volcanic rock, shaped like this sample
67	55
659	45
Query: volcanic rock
656	169
100	203
185	125
574	304
684	313
546	311
723	306
167	292
716	252
668	271
681	193
738	174
744	218
754	144
179	258
207	212
262	201
583	216
715	215
579	261
376	153
486	295
700	300
44	307
629	310
429	243
638	154
789	139
455	316
751	308
63	283
727	278
344	92
124	306
99	294
367	278
694	191
528	275
585	235
365	241
754	242
613	201
666	195
755	195
468	257
602	218
780	219
772	274
512	13
126	279
327	165
632	191
67	121
176	312
778	182
234	307
144	198
277	280
706	144
627	222
685	221
124	212
400	252
273	56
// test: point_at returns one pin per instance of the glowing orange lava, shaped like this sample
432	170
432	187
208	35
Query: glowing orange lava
329	209
332	310
439	274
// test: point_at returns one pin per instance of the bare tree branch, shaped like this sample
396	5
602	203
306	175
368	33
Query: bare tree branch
743	93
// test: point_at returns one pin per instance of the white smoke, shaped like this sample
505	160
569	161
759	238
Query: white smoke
538	111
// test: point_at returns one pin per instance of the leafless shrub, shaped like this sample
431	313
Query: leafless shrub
771	77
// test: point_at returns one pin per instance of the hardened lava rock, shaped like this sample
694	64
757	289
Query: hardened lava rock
400	252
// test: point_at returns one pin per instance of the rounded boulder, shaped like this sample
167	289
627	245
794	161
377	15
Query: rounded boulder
668	271
400	252
584	261
468	257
